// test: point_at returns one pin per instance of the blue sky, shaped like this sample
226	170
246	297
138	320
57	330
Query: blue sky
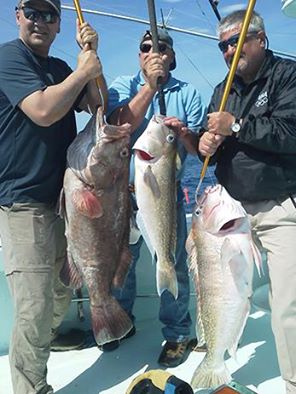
198	60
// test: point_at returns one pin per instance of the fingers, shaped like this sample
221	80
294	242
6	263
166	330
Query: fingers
86	36
209	143
177	125
220	123
153	68
89	63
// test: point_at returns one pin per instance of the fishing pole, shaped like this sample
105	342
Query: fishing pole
81	20
168	27
230	77
155	49
214	4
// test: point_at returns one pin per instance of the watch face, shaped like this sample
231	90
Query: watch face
235	127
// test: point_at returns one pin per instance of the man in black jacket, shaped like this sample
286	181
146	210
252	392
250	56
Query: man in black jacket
253	143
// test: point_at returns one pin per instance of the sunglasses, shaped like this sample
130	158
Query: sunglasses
147	47
35	15
232	41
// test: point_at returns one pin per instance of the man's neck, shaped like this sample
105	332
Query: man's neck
36	51
249	78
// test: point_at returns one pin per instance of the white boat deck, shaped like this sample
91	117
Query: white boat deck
90	371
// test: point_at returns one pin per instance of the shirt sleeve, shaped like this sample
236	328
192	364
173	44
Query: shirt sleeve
275	130
120	93
195	109
18	74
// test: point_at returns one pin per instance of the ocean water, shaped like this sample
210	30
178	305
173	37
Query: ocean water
191	178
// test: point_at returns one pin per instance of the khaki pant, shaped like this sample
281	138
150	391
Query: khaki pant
34	249
274	225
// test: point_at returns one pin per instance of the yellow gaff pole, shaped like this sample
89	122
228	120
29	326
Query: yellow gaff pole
81	20
230	77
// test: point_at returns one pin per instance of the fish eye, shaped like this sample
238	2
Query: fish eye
170	138
124	153
198	210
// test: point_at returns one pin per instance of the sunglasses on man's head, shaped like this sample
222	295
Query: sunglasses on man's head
147	47
35	15
232	41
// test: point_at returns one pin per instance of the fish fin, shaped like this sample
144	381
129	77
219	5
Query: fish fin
144	233
166	278
199	326
178	162
151	182
62	205
134	233
252	253
70	274
123	267
192	254
229	250
208	375
236	337
87	203
239	261
241	268
109	321
193	267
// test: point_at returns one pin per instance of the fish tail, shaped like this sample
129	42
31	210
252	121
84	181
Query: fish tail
210	376
109	321
166	279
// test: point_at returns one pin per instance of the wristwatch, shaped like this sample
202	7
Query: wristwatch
236	126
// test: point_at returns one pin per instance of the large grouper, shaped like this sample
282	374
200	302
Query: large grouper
222	256
96	206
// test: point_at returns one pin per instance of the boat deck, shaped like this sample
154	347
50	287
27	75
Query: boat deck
91	371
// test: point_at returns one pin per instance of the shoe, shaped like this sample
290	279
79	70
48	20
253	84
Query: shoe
175	353
110	346
71	340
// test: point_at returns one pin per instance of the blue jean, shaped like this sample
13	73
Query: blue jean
173	313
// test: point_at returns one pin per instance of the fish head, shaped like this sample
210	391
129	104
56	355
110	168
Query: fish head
109	156
216	212
156	141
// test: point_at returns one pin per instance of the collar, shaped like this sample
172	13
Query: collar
170	84
263	72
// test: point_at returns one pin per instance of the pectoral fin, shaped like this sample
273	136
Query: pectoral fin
70	274
87	203
151	182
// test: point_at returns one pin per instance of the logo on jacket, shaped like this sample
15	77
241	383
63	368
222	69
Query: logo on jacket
261	100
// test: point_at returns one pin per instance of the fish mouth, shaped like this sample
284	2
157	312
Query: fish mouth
228	225
143	155
233	225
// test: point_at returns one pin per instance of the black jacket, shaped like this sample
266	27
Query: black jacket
261	163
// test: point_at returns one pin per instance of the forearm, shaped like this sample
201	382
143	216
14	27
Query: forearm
134	112
96	95
50	105
190	142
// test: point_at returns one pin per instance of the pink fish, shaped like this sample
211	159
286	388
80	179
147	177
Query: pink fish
222	256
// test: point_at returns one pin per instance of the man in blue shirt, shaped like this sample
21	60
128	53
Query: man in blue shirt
134	99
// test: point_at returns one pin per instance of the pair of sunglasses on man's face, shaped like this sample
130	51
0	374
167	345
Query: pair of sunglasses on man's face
145	48
35	15
232	41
